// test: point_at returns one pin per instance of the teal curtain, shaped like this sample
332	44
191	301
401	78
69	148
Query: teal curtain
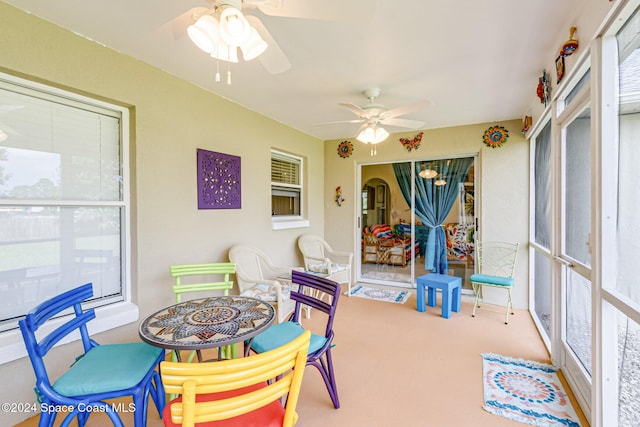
433	202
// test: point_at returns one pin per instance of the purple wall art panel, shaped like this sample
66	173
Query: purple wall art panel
218	180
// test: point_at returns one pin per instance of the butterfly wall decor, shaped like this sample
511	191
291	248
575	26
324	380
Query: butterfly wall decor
412	144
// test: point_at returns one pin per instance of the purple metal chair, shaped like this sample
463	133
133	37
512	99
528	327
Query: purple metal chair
101	372
318	293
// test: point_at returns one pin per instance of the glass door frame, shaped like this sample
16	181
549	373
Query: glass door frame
359	220
576	375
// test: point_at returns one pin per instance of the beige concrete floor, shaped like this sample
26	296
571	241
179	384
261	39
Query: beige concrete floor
398	367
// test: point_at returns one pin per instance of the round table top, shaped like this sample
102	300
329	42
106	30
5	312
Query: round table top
207	322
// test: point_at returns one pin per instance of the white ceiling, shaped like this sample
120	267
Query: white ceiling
474	60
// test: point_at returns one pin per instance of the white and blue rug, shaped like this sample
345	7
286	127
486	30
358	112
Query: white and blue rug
379	294
526	391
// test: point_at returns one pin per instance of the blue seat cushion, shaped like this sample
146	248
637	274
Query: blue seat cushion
280	334
487	279
107	368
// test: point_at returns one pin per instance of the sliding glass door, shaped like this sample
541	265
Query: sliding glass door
400	204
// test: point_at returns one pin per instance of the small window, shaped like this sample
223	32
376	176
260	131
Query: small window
286	184
287	198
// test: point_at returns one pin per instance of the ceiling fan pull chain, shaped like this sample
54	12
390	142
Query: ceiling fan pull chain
229	68
217	71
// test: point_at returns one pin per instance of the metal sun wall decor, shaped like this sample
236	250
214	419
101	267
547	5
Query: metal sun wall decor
345	149
495	136
218	180
412	144
543	88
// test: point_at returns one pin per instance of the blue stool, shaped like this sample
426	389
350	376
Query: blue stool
451	287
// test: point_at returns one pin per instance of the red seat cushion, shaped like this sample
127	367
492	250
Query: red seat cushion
271	415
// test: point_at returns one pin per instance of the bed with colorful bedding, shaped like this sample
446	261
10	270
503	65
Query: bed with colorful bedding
380	245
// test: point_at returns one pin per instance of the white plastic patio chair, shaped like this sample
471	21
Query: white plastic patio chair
320	257
258	277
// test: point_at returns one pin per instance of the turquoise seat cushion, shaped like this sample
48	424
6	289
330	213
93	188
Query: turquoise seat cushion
107	368
488	279
280	334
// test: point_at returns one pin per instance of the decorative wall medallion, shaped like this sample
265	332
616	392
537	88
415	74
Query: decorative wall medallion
495	136
345	149
412	144
218	180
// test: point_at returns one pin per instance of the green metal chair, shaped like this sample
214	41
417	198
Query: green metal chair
496	263
204	273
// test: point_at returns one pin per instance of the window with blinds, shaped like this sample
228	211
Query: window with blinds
63	197
286	184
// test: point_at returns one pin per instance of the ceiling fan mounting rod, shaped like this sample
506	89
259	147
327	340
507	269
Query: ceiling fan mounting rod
216	4
372	93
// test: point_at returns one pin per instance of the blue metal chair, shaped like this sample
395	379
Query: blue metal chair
312	291
101	372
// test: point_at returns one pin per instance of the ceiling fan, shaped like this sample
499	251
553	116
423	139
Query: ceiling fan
372	115
272	58
204	27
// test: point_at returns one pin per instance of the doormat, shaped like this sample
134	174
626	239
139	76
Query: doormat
526	391
377	294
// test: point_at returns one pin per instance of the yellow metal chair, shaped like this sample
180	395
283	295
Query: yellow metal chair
496	263
205	283
238	392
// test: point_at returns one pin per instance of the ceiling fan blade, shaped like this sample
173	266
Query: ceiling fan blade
339	122
353	107
180	24
400	111
402	123
322	10
9	130
273	59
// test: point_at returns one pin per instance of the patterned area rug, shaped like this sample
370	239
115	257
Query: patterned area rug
377	294
526	391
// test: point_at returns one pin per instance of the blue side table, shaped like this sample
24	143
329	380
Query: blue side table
451	287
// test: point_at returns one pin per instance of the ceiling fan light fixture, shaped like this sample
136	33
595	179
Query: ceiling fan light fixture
372	134
253	46
234	27
204	33
428	173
